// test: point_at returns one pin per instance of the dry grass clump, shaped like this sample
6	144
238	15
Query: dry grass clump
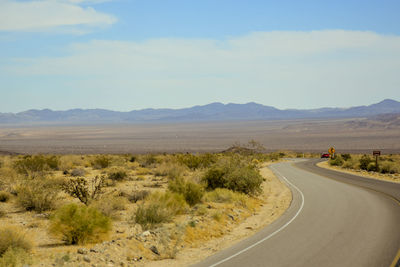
159	207
171	170
135	196
101	162
15	257
79	224
223	195
117	174
13	237
192	192
110	205
36	165
38	195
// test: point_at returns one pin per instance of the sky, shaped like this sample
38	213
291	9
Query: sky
132	54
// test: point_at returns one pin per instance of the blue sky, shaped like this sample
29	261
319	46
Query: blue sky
133	54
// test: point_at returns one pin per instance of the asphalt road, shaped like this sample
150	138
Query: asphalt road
329	223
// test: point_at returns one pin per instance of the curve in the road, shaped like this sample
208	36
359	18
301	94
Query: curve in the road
273	233
341	225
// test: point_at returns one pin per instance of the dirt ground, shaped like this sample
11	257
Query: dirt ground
130	245
346	135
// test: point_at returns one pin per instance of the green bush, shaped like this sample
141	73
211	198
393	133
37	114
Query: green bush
337	161
35	164
365	160
346	157
372	167
38	195
79	224
197	161
159	208
234	174
192	192
388	167
147	160
118	175
101	162
4	196
13	237
15	257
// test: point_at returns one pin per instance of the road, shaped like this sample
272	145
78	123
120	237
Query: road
329	223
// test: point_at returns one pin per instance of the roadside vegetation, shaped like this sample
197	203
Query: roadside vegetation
388	165
154	204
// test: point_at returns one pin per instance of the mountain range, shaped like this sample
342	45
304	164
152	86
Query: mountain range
210	112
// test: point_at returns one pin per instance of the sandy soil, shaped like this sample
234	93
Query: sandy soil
277	197
370	175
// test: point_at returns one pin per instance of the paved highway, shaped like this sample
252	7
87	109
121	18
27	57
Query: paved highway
329	223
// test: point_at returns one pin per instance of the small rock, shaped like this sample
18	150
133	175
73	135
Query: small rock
120	231
145	234
154	250
86	258
82	251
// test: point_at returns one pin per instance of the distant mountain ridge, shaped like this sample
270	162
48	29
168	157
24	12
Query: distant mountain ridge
210	112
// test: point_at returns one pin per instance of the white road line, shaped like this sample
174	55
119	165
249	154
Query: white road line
274	233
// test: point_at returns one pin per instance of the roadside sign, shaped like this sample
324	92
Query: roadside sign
331	150
376	153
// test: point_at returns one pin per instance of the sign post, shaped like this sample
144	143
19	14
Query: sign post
376	153
332	152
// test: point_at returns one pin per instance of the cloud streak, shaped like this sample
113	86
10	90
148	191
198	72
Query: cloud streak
46	15
278	68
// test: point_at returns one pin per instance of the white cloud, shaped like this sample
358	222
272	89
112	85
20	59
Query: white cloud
48	15
281	68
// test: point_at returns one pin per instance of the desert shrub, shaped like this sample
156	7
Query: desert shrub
388	167
150	215
197	161
235	175
365	160
171	170
79	224
337	161
13	237
132	159
110	205
222	195
350	163
36	164
192	192
77	172
146	160
15	257
83	190
101	162
159	208
117	175
38	195
346	157
135	196
372	167
4	196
